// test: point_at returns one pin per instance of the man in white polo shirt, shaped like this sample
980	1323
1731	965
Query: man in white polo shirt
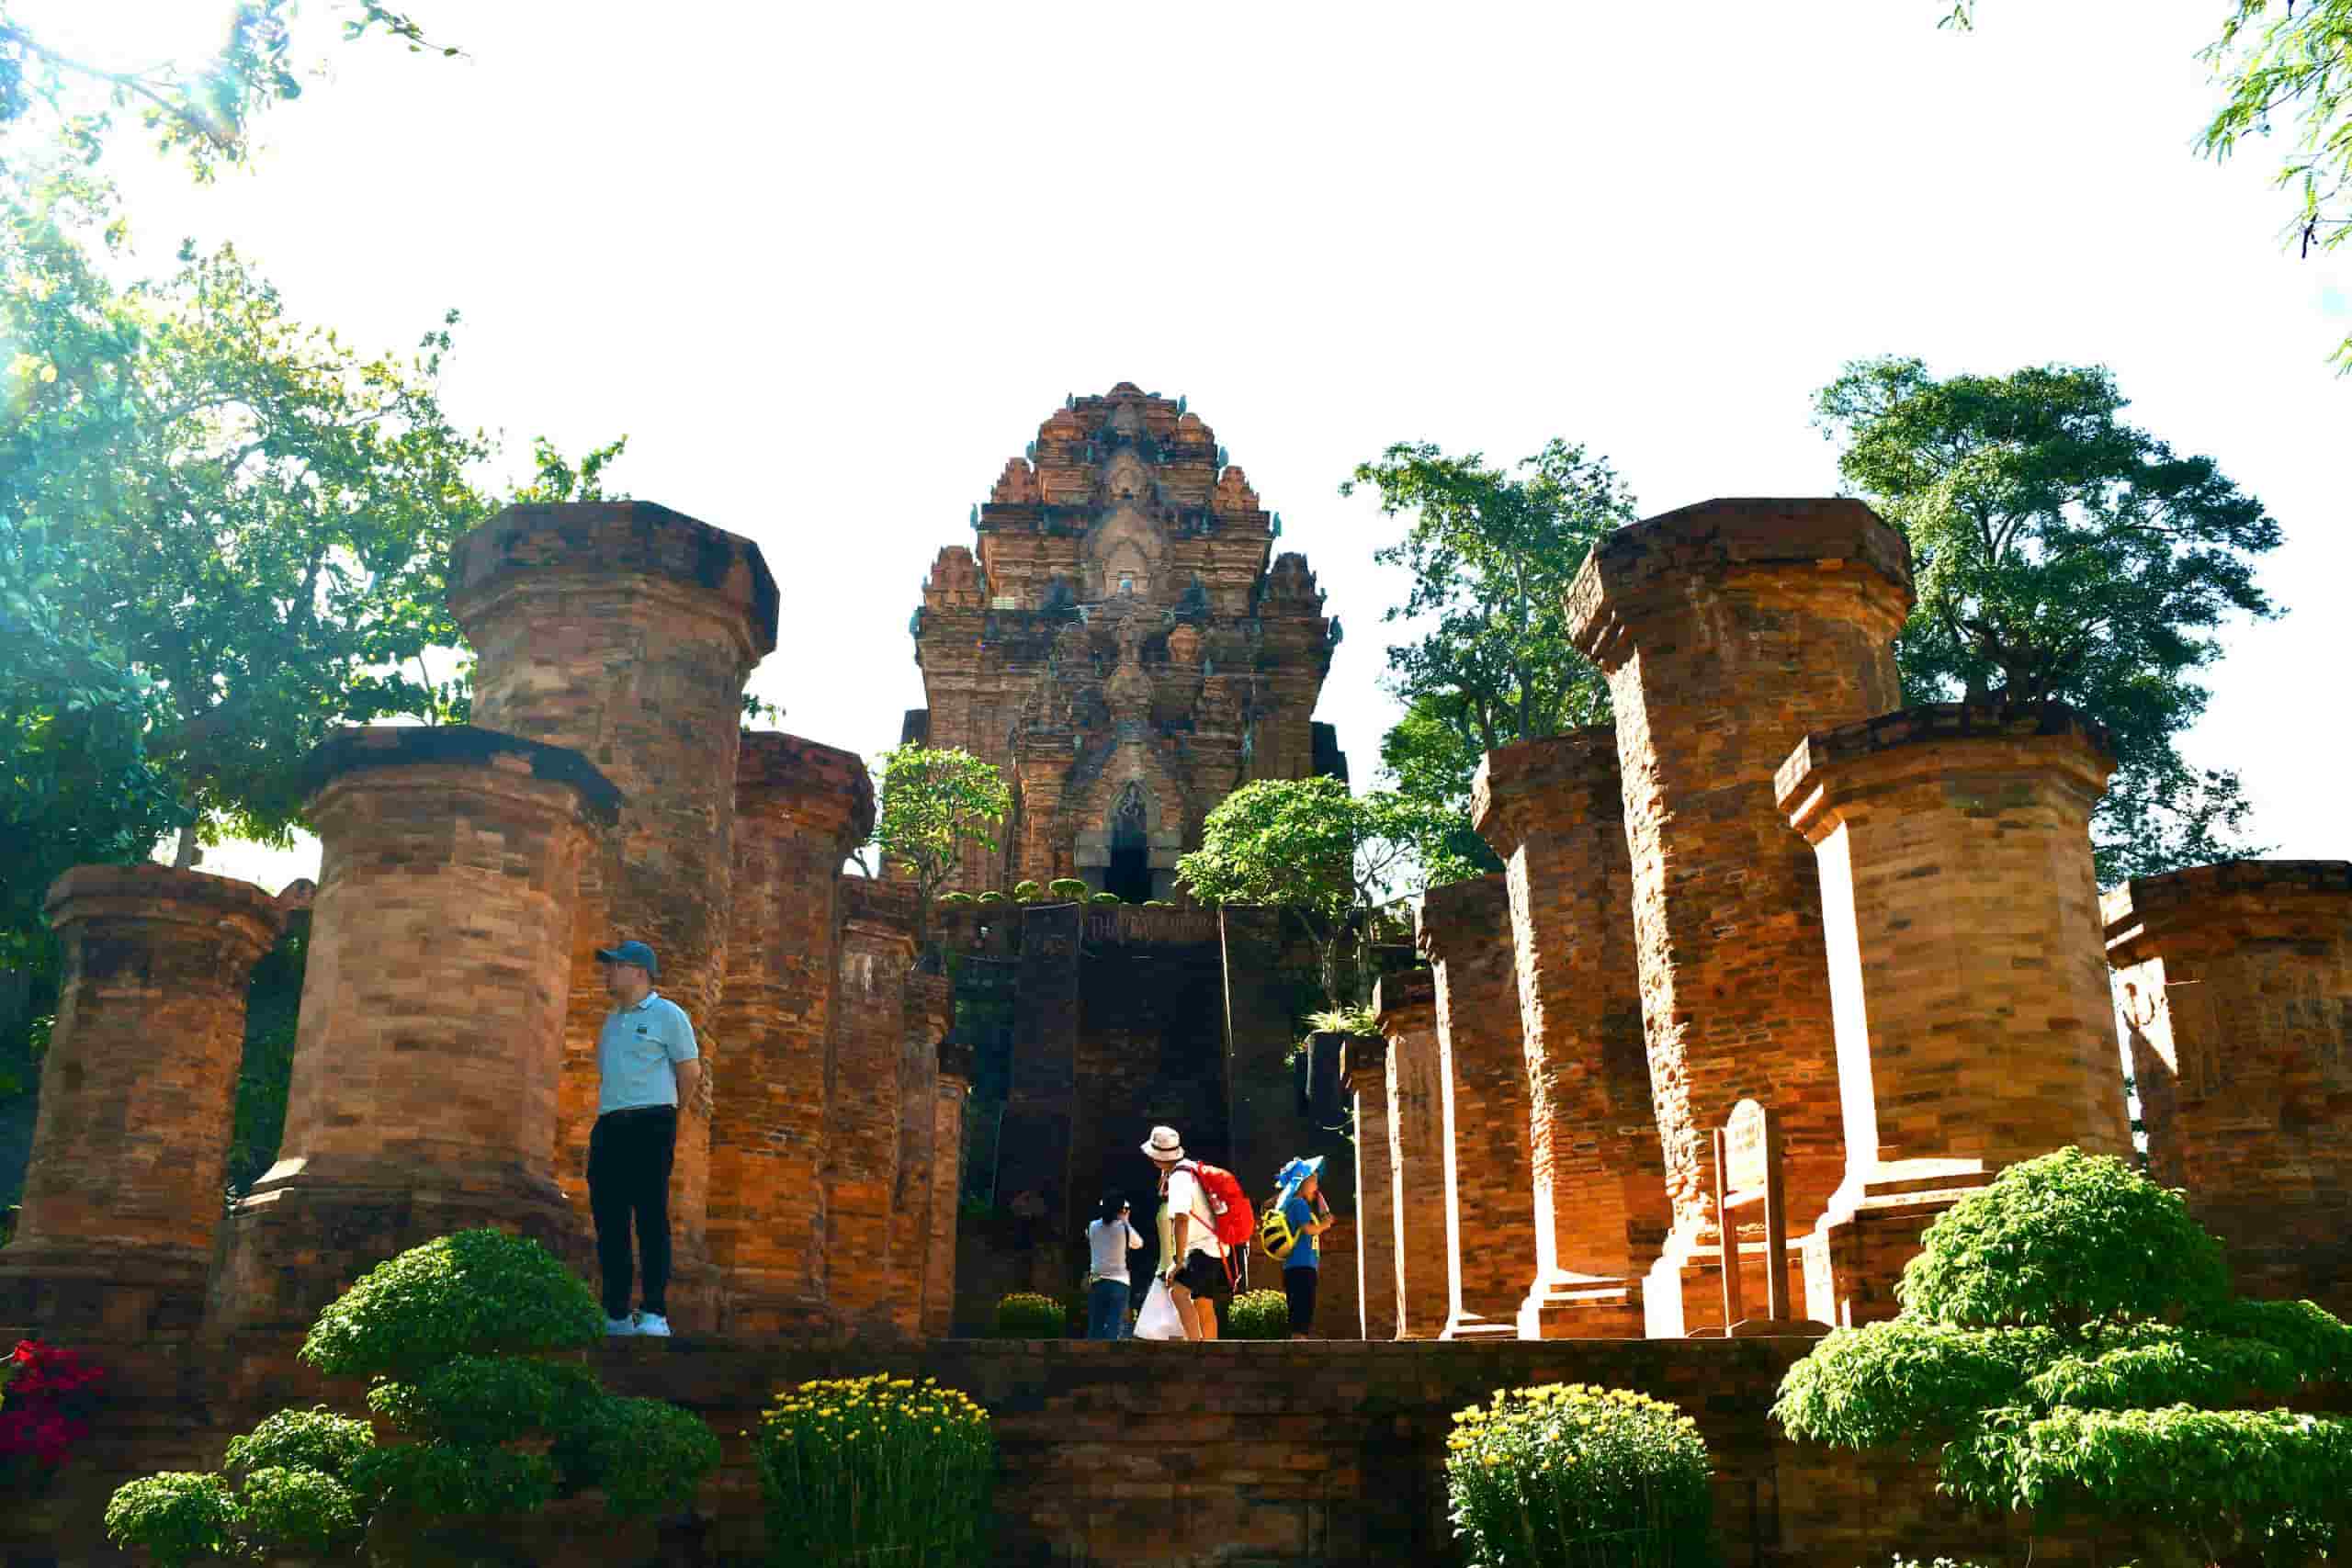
648	1069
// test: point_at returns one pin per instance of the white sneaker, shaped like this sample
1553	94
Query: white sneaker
653	1324
621	1327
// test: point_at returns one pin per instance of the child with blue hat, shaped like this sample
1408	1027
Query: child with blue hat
1299	1196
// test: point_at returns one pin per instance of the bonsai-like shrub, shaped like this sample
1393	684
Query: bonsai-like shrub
1576	1474
992	896
1068	887
957	900
2069	1345
447	1334
1026	892
1157	904
1025	1315
876	1470
1106	898
1258	1314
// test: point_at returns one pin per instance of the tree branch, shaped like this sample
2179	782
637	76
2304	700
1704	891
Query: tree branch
127	83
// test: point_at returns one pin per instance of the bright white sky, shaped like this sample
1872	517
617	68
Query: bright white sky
829	266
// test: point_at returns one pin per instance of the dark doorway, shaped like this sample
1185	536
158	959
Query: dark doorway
1129	872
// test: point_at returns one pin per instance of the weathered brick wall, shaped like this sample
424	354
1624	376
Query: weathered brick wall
1554	811
1728	629
1490	1204
626	631
424	1096
798	808
1365	1072
929	1008
2237	993
1974	1026
122	1197
939	1281
1040	1103
1423	1267
868	1285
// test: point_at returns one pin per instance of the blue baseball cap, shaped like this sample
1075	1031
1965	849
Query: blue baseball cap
635	953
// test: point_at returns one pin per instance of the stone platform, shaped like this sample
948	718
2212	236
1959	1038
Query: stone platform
1149	1456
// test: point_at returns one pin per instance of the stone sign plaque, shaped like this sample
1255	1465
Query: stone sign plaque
1744	1150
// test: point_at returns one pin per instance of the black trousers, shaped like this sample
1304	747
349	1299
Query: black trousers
629	1180
1299	1284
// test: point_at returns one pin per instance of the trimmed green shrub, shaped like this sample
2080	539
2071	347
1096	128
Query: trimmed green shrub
957	900
876	1470
447	1332
1106	898
2061	1329
1026	892
1068	887
1157	904
1573	1474
1258	1314
1025	1315
992	896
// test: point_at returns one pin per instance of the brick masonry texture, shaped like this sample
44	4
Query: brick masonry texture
1464	931
800	808
124	1195
939	1283
865	1284
1973	1021
1423	1265
426	1058
1728	629
625	631
2237	995
930	1009
1364	1071
1554	811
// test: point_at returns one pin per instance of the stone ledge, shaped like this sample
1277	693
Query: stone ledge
1881	748
162	893
1575	774
462	746
873	900
772	767
1394	993
1362	1055
2200	894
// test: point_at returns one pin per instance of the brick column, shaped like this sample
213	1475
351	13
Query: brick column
1364	1069
1973	1023
123	1192
1041	1094
930	1010
869	1282
1490	1201
953	1089
625	631
2236	984
1553	809
799	808
1407	1005
1727	630
425	1063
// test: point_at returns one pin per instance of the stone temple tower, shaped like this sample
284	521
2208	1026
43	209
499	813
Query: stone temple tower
1116	641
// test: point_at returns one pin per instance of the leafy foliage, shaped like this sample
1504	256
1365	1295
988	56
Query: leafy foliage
1574	1473
2063	554
1067	887
1027	1315
1258	1314
1491	552
1027	891
475	1293
177	1516
877	1469
266	1071
939	814
2068	1345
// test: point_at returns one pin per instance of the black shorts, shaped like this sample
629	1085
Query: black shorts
1299	1284
1204	1277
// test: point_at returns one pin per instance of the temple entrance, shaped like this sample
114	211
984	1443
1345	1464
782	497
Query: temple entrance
1129	872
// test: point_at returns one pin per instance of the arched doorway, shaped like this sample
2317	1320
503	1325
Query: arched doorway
1129	872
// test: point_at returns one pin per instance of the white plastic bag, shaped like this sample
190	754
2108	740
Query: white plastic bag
1158	1320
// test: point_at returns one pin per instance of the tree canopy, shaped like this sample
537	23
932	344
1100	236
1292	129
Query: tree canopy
2063	553
1491	551
940	810
2069	1346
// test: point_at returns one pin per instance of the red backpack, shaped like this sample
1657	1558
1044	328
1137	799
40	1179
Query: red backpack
1230	1206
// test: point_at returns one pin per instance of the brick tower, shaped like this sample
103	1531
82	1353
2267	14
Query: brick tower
1121	642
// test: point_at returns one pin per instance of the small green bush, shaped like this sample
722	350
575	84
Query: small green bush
1157	904
1025	1315
1026	892
477	1292
992	897
180	1516
1573	1473
1106	898
957	900
876	1470
1258	1314
1068	887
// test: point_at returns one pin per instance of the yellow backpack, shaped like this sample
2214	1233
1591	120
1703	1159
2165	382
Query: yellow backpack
1275	1236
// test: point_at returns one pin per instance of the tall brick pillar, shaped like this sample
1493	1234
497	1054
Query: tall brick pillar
1727	630
1363	1070
799	808
1973	1023
1554	811
625	631
930	1010
1041	1094
1489	1200
124	1195
1406	1006
954	1087
868	1279
426	1060
2236	986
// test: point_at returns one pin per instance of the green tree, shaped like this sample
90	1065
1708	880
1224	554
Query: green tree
2061	553
2069	1346
940	810
1309	847
1491	552
2280	64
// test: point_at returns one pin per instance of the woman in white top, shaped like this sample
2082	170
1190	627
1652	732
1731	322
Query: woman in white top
1109	1239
